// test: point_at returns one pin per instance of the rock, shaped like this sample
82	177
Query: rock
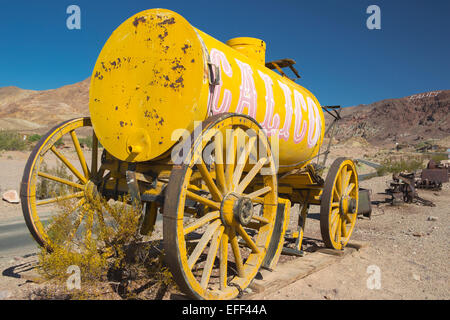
416	277
11	196
5	294
248	290
431	218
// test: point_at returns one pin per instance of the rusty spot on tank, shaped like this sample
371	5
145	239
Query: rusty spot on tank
186	46
178	83
148	98
137	20
148	114
117	108
162	36
193	60
167	21
161	121
105	68
122	123
98	75
178	66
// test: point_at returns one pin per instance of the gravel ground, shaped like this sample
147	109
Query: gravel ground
408	244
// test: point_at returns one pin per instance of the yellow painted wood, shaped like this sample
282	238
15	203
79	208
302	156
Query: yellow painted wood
80	154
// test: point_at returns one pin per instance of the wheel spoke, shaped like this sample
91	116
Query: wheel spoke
236	253
94	159
334	216
68	164
206	202
243	157
80	154
334	204
202	221
334	224
346	179
259	192
349	188
346	217
77	223
67	213
343	229
201	245
67	197
212	253
218	155
223	268
89	224
216	194
60	180
248	240
261	219
230	159
250	175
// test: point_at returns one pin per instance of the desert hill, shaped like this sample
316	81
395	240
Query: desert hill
27	109
406	120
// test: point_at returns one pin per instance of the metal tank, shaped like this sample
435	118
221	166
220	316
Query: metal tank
157	73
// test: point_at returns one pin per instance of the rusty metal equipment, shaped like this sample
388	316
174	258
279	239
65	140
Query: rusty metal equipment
364	204
403	190
205	133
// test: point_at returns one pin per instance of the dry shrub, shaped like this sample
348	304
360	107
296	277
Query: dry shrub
113	253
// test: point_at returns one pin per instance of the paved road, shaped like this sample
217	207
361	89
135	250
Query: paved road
15	239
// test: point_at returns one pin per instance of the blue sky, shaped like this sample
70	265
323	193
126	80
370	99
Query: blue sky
340	60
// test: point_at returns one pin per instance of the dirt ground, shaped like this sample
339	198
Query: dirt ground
408	244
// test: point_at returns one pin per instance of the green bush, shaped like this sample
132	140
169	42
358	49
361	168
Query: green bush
10	141
392	166
440	157
34	138
88	142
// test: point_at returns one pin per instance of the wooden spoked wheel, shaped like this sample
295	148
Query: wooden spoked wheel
339	204
58	173
217	229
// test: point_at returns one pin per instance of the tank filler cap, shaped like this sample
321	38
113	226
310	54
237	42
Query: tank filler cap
251	47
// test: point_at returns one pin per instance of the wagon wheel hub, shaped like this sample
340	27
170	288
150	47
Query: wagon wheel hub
347	205
236	209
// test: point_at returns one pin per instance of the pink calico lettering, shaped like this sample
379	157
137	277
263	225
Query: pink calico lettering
284	132
248	96
300	126
314	123
218	58
269	127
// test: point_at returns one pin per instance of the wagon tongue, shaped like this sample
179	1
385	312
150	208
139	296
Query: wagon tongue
148	81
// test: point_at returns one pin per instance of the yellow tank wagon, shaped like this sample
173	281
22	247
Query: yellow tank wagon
211	136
